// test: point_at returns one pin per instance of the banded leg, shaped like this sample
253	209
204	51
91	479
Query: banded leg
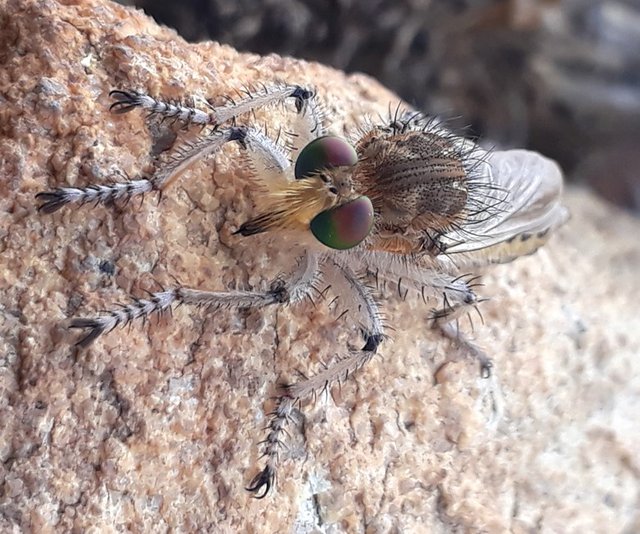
126	101
308	124
293	394
295	288
52	201
266	151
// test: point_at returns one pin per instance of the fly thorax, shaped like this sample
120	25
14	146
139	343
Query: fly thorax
415	180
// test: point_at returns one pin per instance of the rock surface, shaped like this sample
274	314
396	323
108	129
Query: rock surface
157	428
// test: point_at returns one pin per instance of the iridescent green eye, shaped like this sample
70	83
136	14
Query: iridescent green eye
344	226
324	153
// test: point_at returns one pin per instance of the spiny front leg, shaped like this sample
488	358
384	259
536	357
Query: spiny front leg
308	124
264	150
294	394
185	156
126	101
294	289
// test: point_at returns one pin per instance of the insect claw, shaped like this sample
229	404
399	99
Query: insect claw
52	201
95	327
125	101
264	479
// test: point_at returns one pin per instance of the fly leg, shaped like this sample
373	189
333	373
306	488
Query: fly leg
126	101
459	298
346	364
264	152
309	122
184	157
281	291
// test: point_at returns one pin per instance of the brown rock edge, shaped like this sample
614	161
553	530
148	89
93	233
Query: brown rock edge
157	427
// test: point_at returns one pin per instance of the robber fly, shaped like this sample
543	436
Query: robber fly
403	198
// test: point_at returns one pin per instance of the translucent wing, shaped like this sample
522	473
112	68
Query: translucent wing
522	193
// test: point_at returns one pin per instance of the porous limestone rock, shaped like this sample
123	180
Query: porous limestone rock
156	427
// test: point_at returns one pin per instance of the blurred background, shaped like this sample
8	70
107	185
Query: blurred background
558	76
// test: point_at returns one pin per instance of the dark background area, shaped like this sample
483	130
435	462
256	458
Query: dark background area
558	76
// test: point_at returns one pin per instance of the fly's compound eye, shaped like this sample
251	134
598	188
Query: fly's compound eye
344	226
324	153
